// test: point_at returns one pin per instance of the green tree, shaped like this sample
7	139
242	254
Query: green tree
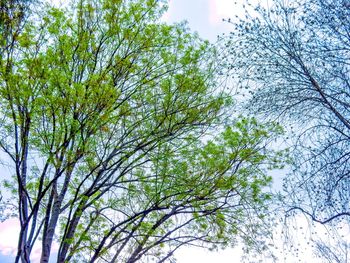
106	119
13	14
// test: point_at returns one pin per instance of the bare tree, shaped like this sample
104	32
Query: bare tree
294	57
332	253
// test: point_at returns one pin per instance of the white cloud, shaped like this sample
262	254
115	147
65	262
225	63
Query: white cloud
219	9
192	254
9	231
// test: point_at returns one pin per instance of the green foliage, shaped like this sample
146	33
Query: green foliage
105	112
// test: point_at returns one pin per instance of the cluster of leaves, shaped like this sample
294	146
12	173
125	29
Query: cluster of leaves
204	193
103	112
13	14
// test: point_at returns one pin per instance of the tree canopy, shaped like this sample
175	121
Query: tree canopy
112	124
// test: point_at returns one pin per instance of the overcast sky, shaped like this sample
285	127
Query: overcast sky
203	16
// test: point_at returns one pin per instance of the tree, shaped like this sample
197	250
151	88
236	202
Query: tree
13	14
293	56
107	118
338	252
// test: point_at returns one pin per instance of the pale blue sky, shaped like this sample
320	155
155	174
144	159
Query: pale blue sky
203	16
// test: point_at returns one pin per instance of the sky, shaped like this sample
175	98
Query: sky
204	17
